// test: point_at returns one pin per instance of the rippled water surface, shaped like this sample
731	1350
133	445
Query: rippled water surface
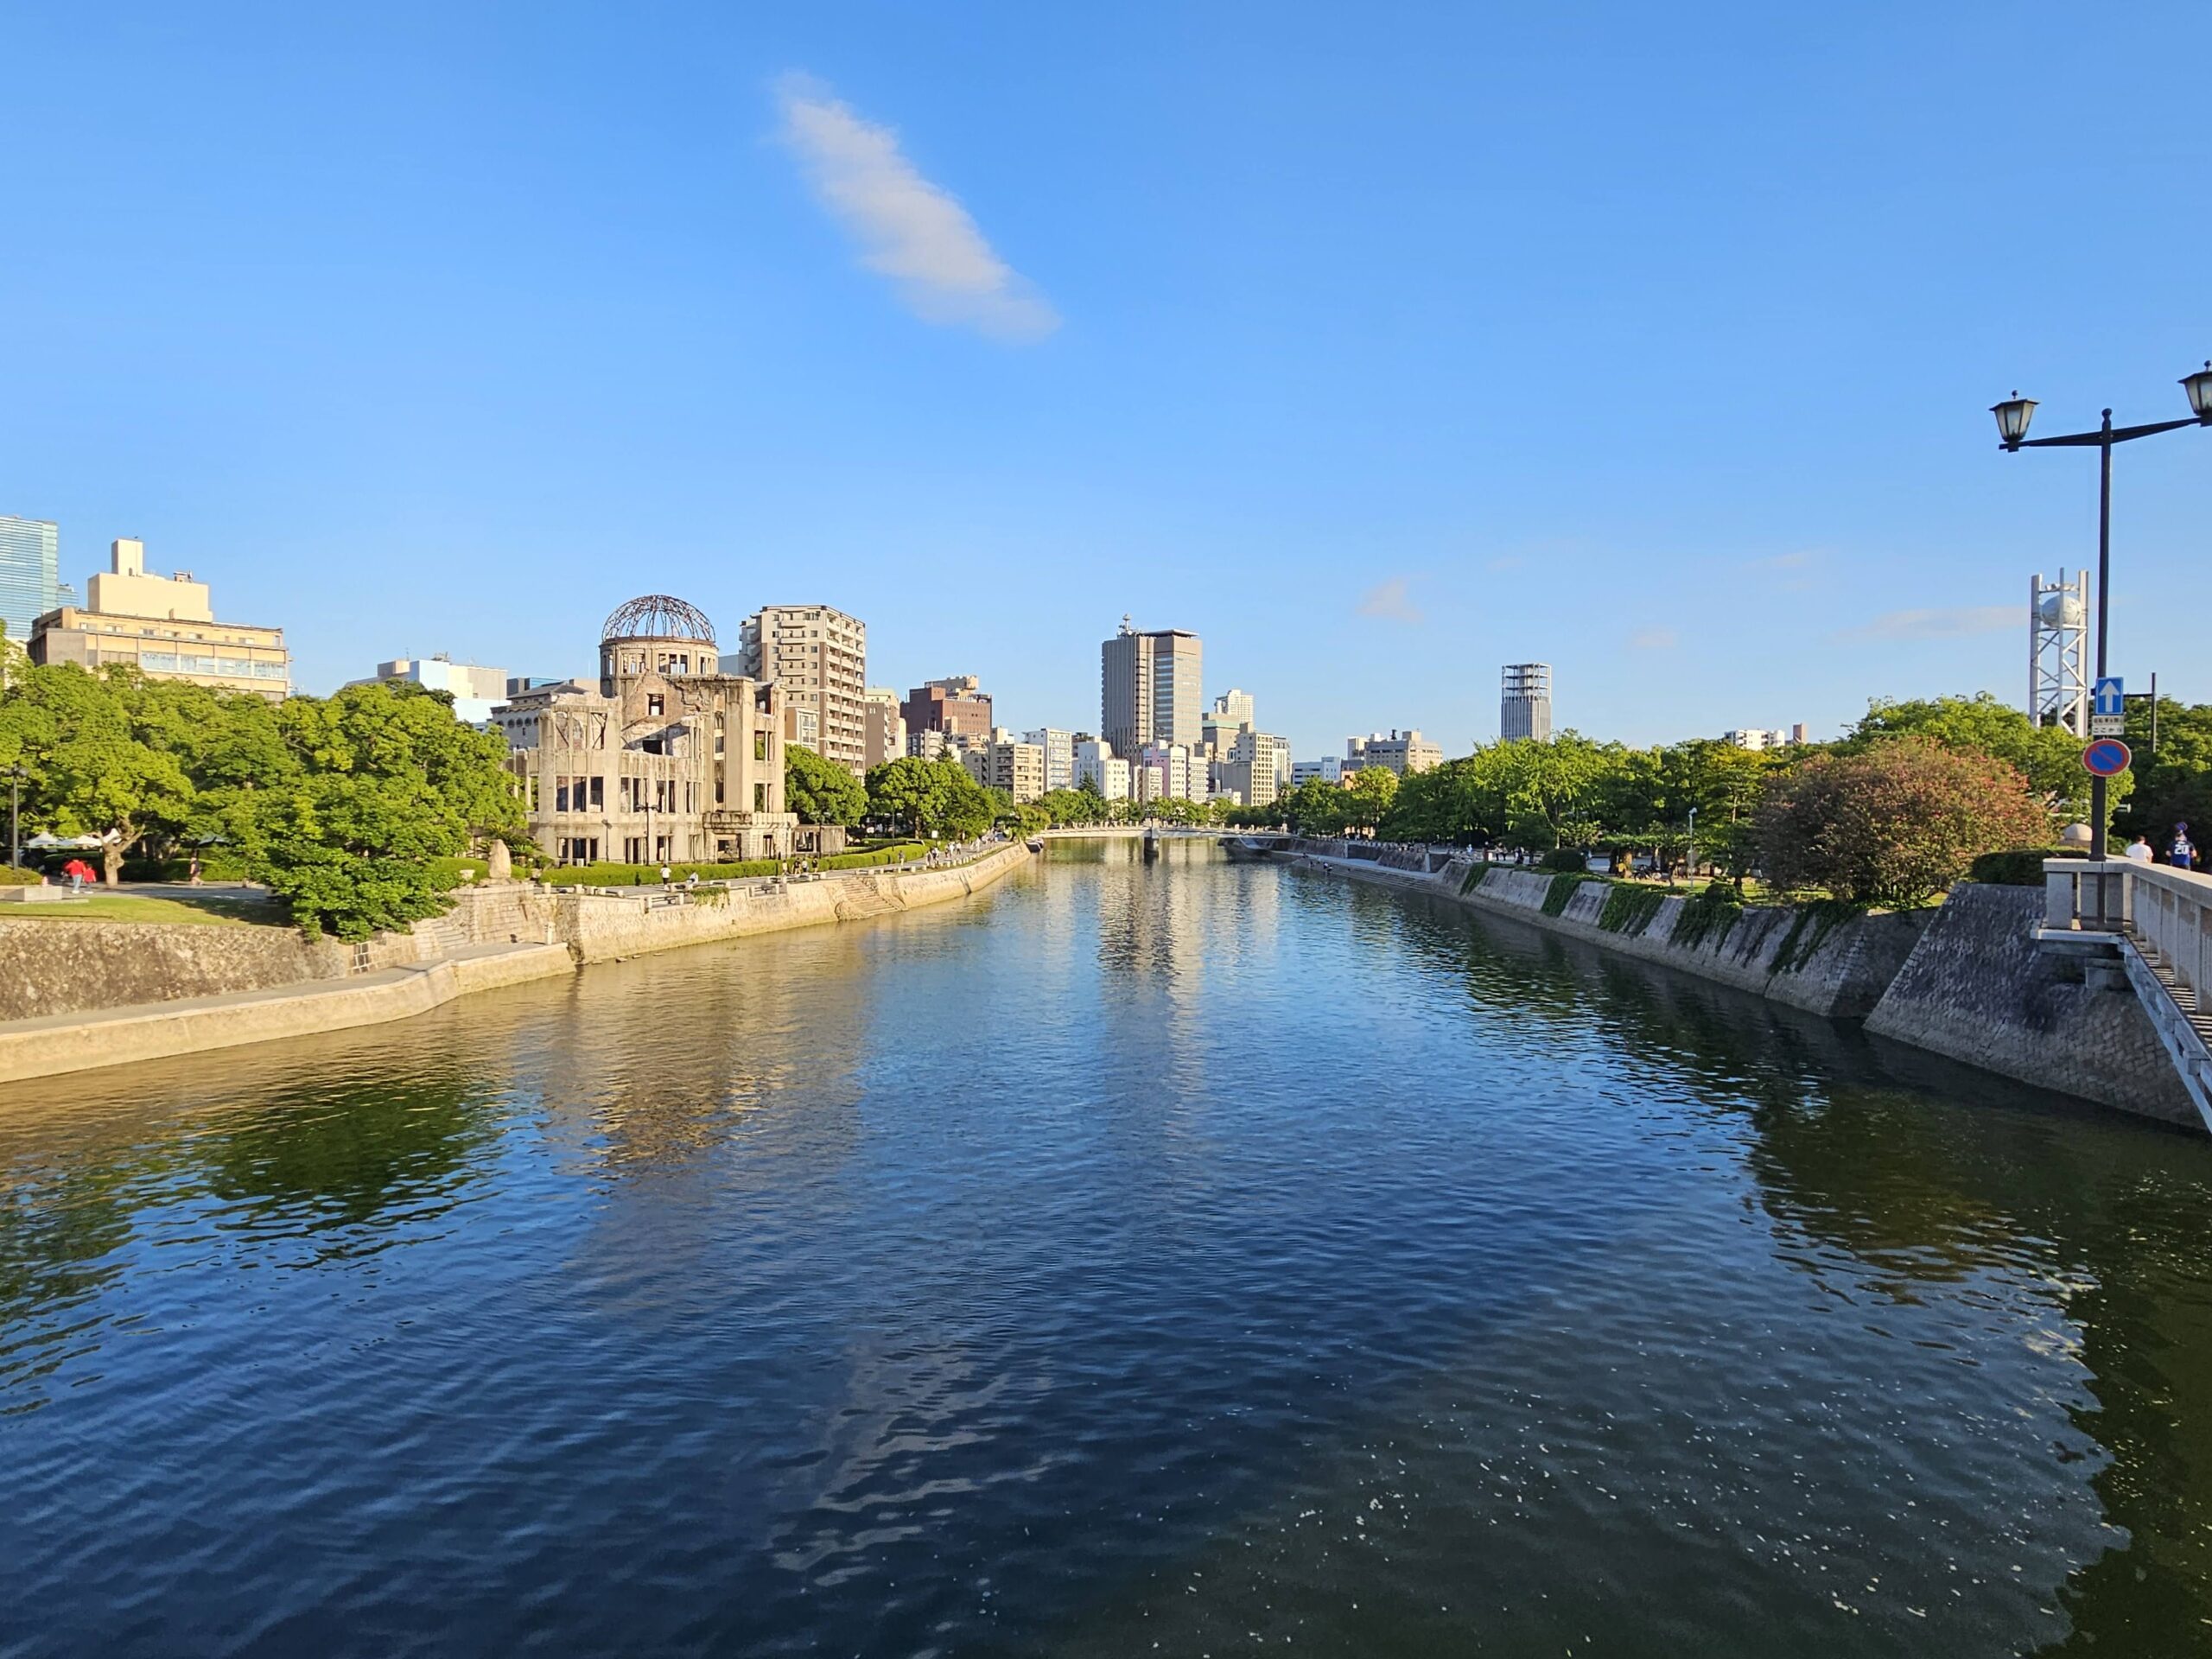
1200	1259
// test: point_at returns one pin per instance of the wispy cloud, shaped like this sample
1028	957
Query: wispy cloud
909	229
1652	639
1390	600
1939	624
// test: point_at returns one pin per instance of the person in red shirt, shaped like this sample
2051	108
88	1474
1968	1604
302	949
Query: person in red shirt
81	875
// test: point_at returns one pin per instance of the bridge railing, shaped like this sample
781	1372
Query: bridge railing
2169	910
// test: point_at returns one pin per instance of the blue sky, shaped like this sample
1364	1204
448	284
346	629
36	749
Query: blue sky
1380	345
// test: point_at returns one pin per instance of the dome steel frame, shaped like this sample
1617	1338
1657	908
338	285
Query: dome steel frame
657	616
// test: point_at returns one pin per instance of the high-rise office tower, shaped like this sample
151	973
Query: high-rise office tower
1525	708
1148	689
818	655
30	573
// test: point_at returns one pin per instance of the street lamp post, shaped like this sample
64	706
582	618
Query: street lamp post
2012	417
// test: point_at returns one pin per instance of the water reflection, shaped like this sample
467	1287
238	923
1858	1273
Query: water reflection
1189	1256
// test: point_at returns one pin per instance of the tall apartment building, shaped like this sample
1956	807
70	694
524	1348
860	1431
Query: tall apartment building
1148	689
1003	763
1404	752
1059	755
883	729
819	656
1258	768
959	707
1753	737
1096	764
165	627
1524	709
30	573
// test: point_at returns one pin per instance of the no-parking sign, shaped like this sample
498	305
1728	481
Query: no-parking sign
2106	758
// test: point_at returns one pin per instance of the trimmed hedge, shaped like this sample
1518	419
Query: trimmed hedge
648	875
1566	860
2019	866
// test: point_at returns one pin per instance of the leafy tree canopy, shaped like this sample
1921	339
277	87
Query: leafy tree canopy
819	791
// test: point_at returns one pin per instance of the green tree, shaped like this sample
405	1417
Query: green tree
930	797
1895	821
2173	780
89	768
819	791
383	779
2050	757
1368	796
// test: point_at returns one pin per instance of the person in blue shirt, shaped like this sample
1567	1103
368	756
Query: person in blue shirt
2181	852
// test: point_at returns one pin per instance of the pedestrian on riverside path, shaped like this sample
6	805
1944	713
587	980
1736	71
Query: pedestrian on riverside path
2139	849
664	875
2182	853
80	875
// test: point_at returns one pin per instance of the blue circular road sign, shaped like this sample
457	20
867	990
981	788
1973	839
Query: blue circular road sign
2106	758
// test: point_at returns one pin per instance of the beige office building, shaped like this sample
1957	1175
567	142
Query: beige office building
1258	768
164	626
666	759
883	726
818	655
1003	763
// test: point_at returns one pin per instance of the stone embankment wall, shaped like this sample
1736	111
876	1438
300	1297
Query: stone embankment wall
1966	981
71	967
1978	989
607	926
1808	958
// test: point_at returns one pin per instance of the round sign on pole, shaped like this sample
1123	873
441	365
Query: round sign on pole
2106	758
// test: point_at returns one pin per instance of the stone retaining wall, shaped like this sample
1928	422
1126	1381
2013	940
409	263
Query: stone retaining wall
73	967
1839	968
1978	989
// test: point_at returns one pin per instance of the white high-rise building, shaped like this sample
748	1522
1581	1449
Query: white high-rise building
1170	771
1257	769
1059	755
1106	771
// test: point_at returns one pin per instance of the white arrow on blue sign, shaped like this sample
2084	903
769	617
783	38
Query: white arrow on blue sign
2107	699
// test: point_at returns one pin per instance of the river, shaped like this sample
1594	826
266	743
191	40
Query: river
1194	1258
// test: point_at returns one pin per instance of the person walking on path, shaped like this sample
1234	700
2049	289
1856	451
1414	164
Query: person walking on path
80	873
2182	853
664	875
2139	849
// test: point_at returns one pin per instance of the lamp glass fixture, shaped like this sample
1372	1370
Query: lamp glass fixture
2012	416
2199	388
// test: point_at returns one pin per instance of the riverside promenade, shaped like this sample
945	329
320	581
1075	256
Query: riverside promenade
495	936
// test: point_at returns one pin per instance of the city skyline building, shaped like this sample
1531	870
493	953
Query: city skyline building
30	573
957	706
1168	771
883	727
818	654
1149	689
1003	761
164	626
1059	755
476	691
1096	764
1524	709
1258	769
1403	753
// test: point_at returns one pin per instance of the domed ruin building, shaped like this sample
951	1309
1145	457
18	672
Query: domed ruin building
667	759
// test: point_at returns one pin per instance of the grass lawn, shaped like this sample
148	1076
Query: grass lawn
214	910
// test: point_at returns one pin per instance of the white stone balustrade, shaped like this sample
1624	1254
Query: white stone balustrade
2160	921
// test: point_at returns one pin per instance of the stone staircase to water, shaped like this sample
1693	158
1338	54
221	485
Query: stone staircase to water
2183	1024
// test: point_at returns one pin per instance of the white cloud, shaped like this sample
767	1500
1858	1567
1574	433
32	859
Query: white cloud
1652	639
1389	600
1940	624
912	231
